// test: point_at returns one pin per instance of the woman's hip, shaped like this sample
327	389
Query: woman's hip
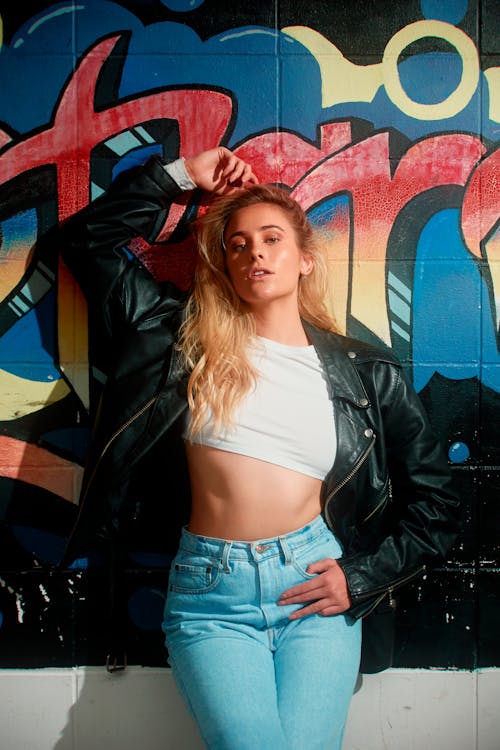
215	580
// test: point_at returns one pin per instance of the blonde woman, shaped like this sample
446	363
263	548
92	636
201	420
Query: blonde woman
308	483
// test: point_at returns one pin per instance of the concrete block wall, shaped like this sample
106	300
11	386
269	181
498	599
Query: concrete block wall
86	708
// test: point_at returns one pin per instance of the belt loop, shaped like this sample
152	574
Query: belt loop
225	556
287	553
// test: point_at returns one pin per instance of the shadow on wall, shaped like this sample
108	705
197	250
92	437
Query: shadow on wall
137	708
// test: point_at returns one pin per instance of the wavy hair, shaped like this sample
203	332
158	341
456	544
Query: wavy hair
218	327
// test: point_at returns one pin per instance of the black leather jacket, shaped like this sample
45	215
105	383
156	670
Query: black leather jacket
388	496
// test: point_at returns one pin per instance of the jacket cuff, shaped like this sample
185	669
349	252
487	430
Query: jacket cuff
178	172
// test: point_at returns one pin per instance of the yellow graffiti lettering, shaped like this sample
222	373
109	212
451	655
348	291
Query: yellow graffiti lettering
72	333
341	80
492	76
459	98
20	397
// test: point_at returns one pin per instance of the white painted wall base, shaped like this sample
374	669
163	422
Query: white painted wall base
140	709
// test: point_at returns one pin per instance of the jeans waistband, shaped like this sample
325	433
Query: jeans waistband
255	550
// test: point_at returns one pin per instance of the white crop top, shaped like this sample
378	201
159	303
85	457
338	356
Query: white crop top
287	419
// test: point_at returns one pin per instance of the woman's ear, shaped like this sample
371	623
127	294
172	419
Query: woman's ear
306	264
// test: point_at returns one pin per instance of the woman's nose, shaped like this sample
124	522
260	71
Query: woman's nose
256	249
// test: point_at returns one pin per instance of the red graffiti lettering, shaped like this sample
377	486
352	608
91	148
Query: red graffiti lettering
364	172
481	204
202	116
378	189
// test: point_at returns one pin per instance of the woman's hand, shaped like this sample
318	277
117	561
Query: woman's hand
327	593
219	171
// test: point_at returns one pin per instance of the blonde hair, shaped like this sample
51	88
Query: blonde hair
218	327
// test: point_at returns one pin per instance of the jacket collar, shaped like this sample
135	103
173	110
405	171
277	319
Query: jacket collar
338	360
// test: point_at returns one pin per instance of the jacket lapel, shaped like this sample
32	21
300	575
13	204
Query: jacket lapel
350	405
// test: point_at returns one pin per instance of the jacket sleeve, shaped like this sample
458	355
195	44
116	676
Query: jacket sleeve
423	508
92	243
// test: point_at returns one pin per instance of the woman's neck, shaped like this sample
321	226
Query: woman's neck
283	329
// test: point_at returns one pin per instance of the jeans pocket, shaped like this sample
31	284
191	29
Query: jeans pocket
193	578
325	546
301	568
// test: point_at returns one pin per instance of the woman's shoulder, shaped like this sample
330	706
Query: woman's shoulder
360	350
357	350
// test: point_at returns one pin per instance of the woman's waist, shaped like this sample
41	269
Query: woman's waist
249	518
239	497
266	546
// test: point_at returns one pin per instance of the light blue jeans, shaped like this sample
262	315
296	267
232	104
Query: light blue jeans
252	678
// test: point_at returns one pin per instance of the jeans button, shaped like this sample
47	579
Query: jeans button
260	548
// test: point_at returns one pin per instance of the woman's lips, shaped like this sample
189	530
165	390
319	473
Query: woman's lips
259	273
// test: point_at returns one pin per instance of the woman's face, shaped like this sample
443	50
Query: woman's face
263	258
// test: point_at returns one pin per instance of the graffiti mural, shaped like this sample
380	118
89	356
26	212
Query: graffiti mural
383	122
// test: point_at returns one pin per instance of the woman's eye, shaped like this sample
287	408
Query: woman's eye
239	247
272	240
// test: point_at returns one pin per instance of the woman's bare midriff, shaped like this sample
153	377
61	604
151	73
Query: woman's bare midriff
242	498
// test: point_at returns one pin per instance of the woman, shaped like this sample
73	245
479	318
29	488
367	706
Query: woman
316	485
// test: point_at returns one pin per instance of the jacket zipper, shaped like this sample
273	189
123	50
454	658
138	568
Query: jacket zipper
380	504
113	437
348	478
389	591
400	582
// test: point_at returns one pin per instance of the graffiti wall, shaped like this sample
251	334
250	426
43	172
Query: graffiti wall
382	118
